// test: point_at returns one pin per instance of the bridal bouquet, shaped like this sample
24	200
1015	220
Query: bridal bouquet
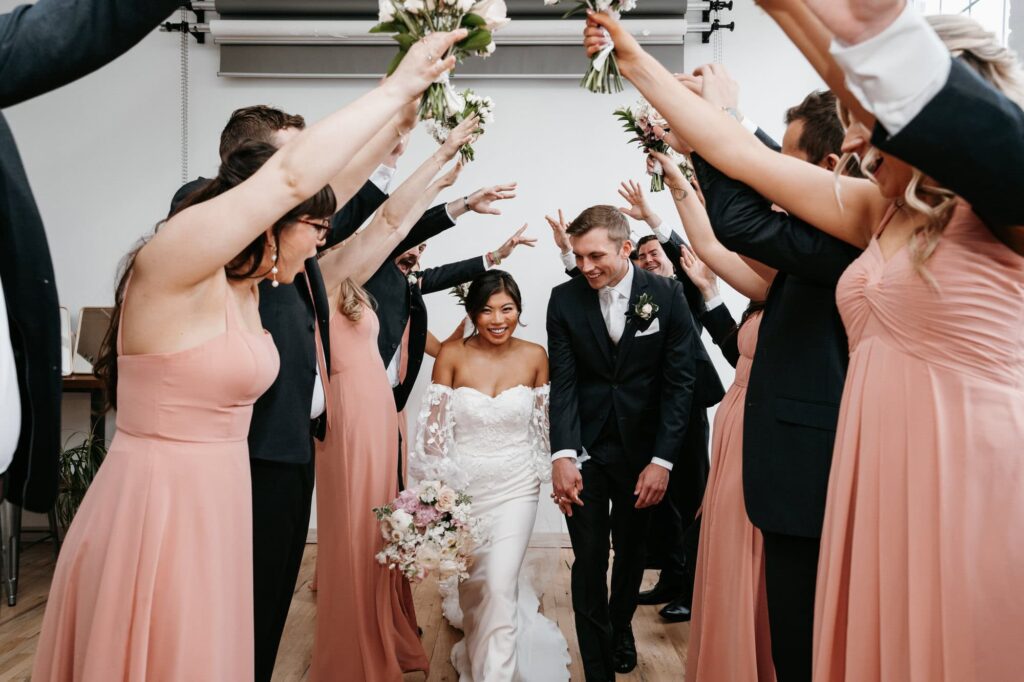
429	527
603	75
472	104
410	20
640	121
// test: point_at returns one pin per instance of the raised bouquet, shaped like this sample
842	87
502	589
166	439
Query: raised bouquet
472	104
410	20
429	528
640	121
603	75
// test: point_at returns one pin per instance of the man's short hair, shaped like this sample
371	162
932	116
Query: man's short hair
823	132
646	239
604	216
258	122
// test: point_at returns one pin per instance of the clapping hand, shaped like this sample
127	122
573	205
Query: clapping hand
638	208
699	273
517	239
559	232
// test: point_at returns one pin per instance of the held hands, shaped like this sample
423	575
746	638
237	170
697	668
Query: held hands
423	64
517	239
559	230
651	486
566	484
699	273
638	209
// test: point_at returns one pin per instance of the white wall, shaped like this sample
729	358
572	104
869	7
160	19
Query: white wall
103	158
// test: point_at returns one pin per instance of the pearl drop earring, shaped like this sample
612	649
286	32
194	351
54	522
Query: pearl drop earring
273	270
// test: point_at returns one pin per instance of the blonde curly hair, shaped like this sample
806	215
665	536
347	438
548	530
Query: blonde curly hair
353	300
981	51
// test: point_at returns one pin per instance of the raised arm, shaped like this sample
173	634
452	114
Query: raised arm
360	255
725	263
54	42
226	224
797	186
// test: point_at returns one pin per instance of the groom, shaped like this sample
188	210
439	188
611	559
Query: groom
622	347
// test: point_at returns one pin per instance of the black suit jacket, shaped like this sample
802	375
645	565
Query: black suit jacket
799	367
646	383
970	138
43	47
724	332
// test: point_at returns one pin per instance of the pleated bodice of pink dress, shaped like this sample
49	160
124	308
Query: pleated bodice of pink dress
154	580
922	562
365	620
729	634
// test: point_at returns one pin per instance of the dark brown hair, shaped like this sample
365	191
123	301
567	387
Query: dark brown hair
245	160
604	216
488	284
823	131
258	122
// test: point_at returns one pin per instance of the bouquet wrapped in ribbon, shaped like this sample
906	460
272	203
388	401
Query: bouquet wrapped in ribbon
473	104
429	528
603	75
410	20
640	120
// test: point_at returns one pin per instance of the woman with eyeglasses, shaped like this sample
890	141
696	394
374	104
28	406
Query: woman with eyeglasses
154	581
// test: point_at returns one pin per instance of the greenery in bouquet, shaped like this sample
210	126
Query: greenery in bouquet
411	20
603	76
474	104
640	120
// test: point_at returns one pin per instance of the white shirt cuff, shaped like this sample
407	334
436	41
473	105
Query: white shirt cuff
562	454
569	260
449	214
487	263
382	177
749	125
662	463
896	95
663	232
713	303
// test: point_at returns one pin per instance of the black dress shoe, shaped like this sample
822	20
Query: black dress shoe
624	658
675	612
662	593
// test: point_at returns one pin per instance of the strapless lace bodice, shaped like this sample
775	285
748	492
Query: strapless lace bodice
467	437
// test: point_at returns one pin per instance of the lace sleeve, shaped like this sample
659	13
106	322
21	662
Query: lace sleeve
433	454
540	432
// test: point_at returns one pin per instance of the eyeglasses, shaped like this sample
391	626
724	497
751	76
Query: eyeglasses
322	229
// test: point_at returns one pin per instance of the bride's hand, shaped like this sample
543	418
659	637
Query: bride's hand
566	483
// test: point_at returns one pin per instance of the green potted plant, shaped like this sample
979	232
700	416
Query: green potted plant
77	466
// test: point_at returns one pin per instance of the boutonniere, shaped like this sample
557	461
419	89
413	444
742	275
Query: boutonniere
644	311
414	278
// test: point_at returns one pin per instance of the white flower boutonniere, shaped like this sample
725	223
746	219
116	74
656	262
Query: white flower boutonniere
645	308
413	278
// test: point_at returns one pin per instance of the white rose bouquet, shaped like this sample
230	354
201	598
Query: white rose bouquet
429	528
640	121
472	104
603	75
410	20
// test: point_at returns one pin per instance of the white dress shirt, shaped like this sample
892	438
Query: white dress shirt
614	301
10	398
897	72
319	404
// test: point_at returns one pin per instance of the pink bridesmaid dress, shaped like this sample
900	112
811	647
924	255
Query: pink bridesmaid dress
922	552
729	635
154	581
365	622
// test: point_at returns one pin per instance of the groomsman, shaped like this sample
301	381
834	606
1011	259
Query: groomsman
42	47
622	348
798	372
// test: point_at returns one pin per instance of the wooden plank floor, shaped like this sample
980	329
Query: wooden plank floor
661	647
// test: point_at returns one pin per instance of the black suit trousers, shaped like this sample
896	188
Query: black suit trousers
598	617
282	494
791	571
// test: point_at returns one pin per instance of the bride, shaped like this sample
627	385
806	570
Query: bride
483	429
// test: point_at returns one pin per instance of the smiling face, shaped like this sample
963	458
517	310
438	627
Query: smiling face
890	174
654	259
601	260
498	319
408	260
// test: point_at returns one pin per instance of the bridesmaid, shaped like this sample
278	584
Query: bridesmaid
154	579
729	634
919	571
365	626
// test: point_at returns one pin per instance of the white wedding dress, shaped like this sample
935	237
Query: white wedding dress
496	450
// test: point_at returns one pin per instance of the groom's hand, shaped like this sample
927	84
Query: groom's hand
566	483
651	486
